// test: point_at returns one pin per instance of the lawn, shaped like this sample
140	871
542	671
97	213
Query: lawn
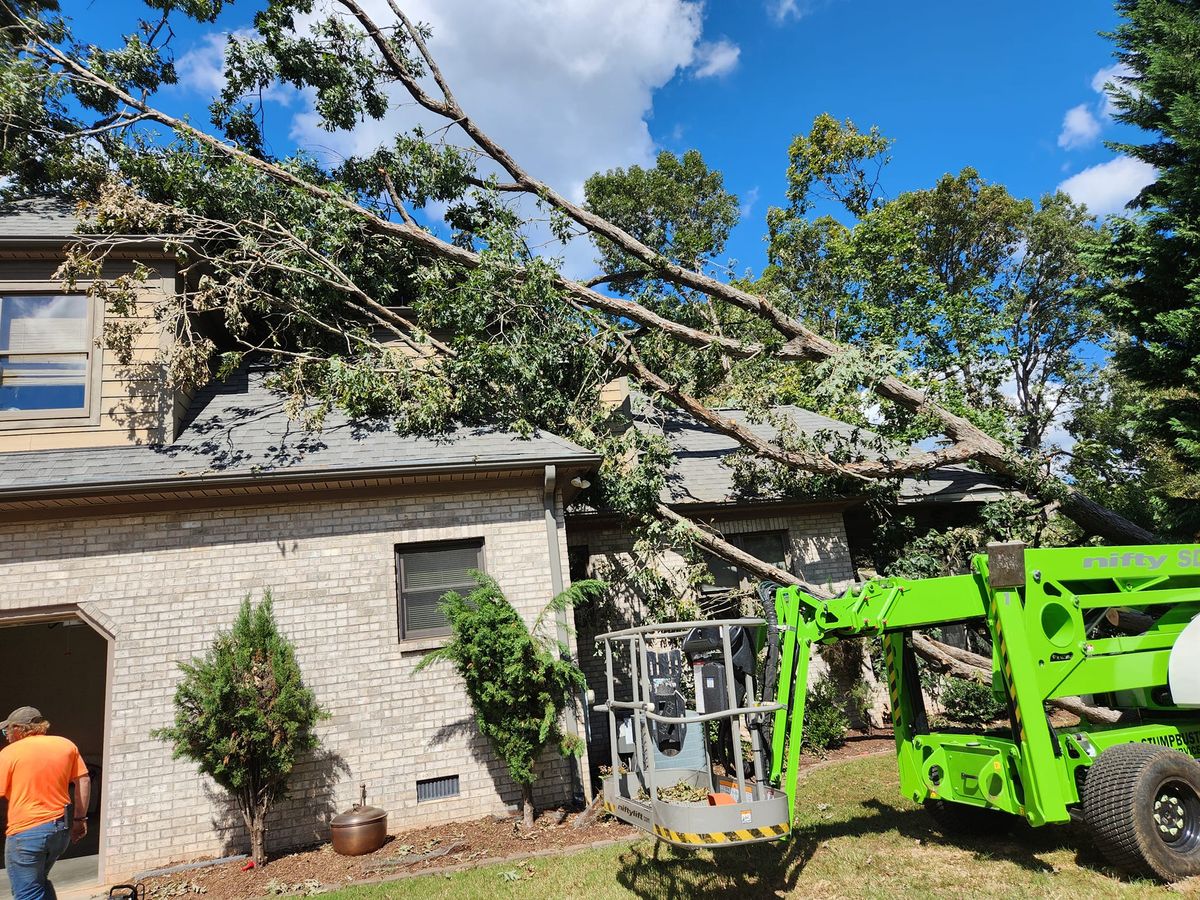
856	837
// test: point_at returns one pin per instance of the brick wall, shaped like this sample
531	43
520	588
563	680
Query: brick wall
818	552
164	583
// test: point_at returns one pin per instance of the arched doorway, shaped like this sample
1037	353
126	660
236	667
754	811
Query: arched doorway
60	664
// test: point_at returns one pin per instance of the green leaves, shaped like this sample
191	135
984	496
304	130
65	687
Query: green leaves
517	682
243	713
1154	257
837	162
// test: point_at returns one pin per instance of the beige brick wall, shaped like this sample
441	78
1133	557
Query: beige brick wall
818	552
165	583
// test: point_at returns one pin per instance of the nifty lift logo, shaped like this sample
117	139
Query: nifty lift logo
1185	558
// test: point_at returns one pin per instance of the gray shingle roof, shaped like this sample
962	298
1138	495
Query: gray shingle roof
701	475
40	218
239	431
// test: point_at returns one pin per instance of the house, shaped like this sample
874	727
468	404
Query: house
133	520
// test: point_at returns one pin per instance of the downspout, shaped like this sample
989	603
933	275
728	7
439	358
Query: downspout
580	787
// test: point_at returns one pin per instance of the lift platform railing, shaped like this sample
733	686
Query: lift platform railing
738	809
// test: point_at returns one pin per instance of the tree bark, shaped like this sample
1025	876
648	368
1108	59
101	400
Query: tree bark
254	813
965	664
527	806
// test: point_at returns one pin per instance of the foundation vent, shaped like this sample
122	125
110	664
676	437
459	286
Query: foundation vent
437	788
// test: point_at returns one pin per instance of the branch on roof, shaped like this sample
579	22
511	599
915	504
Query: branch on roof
969	441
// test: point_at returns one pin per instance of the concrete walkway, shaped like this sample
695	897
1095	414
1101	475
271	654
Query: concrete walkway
73	879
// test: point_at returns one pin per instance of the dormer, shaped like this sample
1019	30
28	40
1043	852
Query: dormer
59	386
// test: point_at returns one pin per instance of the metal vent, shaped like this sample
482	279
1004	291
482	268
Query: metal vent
437	788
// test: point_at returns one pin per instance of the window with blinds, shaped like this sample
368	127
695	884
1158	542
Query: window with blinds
45	355
426	572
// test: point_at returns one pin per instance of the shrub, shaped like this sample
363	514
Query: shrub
517	680
825	722
969	702
243	714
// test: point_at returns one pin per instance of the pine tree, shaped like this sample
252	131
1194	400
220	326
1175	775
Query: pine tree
517	680
243	714
1157	254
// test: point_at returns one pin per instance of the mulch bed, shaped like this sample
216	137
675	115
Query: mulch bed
425	849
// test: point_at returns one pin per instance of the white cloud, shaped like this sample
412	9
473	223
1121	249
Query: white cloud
1083	123
202	68
1107	187
783	10
1113	74
566	87
1079	128
748	200
716	58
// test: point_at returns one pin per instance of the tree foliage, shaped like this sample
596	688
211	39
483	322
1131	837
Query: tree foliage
519	682
1155	253
325	267
244	715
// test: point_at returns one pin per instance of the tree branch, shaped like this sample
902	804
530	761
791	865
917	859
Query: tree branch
972	666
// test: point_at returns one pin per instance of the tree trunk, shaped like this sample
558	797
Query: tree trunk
527	806
258	835
972	666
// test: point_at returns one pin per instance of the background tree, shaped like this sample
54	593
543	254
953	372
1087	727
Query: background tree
1155	254
372	285
518	681
243	714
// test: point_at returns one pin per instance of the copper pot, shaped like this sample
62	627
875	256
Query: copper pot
360	829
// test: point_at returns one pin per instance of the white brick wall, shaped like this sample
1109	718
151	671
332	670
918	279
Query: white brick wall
164	583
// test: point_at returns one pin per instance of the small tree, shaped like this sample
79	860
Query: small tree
518	680
243	714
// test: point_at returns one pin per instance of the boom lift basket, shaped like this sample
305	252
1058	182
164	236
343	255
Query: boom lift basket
659	733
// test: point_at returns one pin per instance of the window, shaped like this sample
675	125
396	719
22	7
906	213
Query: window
424	573
769	546
577	562
46	356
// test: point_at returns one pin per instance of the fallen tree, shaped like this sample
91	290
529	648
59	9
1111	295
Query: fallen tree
351	258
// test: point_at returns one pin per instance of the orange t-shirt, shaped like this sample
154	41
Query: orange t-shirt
35	773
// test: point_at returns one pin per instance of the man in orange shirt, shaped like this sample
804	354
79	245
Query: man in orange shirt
36	771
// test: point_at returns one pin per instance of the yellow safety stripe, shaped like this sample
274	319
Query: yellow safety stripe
716	837
893	688
723	837
1008	676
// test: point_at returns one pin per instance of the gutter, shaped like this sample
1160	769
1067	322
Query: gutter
579	785
200	482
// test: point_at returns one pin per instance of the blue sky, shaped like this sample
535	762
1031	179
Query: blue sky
572	86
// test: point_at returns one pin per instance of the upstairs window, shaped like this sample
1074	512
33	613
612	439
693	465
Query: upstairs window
426	572
46	356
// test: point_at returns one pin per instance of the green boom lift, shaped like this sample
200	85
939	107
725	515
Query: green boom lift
684	696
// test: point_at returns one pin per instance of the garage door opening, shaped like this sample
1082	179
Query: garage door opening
61	668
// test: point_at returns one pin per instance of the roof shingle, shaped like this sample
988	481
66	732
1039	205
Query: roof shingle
240	430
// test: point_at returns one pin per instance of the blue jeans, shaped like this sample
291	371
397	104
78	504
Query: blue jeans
29	856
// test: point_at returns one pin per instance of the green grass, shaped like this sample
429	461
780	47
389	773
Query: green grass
866	842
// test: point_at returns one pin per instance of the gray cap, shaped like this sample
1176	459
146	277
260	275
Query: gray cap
24	715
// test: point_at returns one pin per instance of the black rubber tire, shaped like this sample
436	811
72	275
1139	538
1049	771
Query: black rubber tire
1125	790
959	819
